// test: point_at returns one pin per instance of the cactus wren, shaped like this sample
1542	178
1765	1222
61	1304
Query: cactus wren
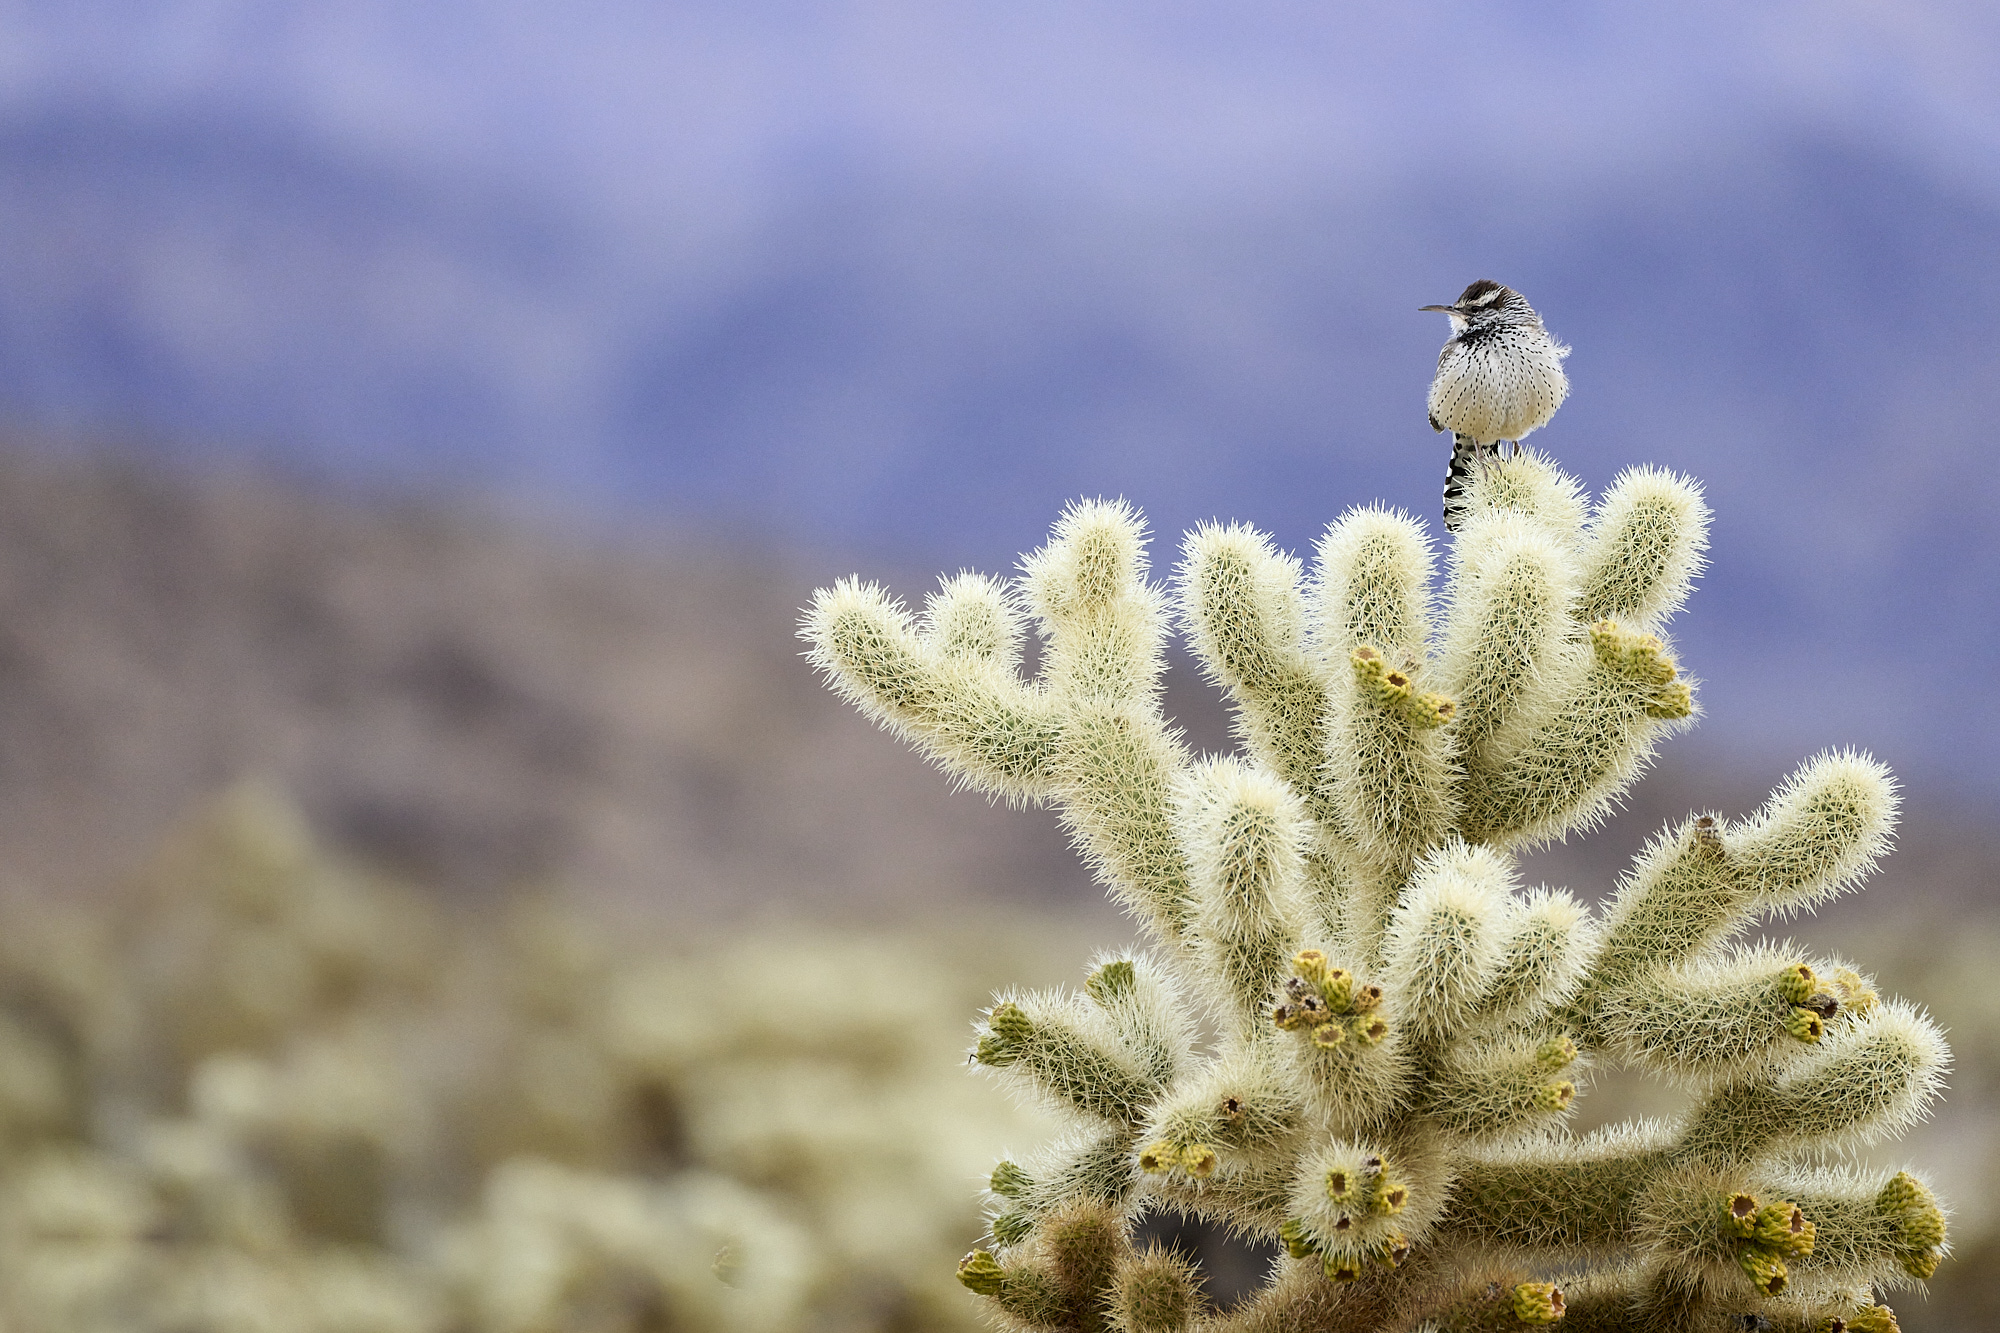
1499	377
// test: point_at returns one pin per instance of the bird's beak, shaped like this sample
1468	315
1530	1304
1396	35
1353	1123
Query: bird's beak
1447	309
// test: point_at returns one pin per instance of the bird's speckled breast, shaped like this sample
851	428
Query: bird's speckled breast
1498	387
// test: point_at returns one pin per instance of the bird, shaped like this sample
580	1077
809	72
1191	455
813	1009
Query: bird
1499	377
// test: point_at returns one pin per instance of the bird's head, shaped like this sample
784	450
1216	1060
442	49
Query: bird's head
1484	302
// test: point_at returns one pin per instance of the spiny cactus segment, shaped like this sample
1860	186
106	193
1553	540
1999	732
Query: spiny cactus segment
1401	1030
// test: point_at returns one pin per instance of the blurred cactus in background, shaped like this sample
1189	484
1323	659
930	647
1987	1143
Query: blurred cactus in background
259	1091
1355	1033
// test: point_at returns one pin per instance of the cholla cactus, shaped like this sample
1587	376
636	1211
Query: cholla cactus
1399	1029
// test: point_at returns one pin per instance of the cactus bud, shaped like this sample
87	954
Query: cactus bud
1538	1303
1783	1227
1739	1217
1555	1053
1329	1035
1337	988
1008	1029
1009	1181
1805	1025
1011	1228
1296	1242
1854	993
1797	983
1367	1030
1111	980
1157	1157
1764	1269
1919	1263
1555	1096
1199	1160
1341	1269
1873	1319
980	1272
1389	1194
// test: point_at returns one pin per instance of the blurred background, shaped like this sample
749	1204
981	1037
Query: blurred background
422	422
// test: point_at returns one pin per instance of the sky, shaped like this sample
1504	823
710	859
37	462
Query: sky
897	280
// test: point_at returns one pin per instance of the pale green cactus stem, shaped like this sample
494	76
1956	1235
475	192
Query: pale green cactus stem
1244	836
1399	1030
1561	766
1506	626
1645	549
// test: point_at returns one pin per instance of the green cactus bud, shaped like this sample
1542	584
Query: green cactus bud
1673	702
1555	1053
1009	1024
1901	1193
1392	1250
981	1272
1920	1264
1157	1157
1555	1096
1309	965
1764	1269
1009	1181
1199	1160
1341	1269
1538	1302
1923	1228
1011	1228
1805	1025
1329	1035
1343	1186
1296	1242
1110	981
1739	1215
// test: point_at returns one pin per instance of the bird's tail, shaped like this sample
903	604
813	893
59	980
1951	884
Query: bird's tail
1466	455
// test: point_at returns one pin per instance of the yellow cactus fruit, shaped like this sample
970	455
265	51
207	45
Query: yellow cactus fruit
1538	1303
1797	983
1764	1269
1739	1215
1368	1030
1783	1228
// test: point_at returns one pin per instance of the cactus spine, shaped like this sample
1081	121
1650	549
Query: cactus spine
1401	1029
